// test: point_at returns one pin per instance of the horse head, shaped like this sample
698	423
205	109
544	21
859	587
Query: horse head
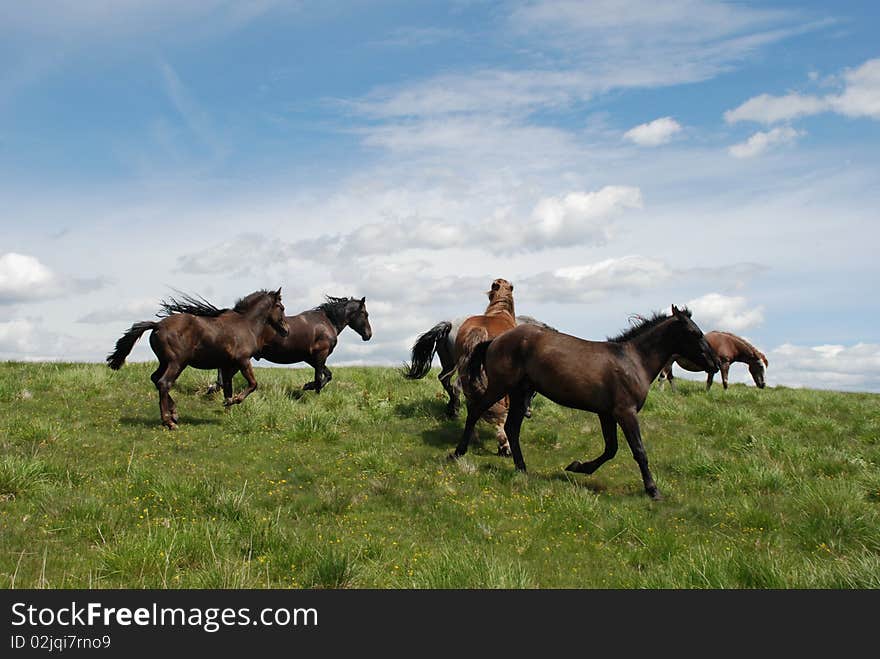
276	317
756	368
692	344
358	318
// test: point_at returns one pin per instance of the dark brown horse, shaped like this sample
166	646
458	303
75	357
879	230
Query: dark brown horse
729	348
206	338
440	340
313	336
610	378
498	318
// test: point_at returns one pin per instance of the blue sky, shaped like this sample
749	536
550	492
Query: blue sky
609	158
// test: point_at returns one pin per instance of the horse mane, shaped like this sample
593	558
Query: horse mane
248	301
501	303
195	305
642	325
755	352
334	309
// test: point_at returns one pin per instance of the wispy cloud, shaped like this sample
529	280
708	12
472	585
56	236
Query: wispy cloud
761	141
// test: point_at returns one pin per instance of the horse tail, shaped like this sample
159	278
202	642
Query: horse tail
477	360
424	349
126	342
469	342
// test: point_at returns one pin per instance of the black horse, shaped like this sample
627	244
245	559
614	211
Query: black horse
195	333
611	378
313	336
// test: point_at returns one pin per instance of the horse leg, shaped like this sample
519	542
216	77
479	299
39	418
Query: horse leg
476	409
445	378
316	383
670	379
725	368
497	415
248	372
326	376
164	382
709	381
630	424
609	433
225	377
217	385
515	415
528	403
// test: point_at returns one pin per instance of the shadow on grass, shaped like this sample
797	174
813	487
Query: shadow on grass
430	407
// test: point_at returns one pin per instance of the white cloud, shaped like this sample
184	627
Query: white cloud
855	367
654	133
714	311
17	336
769	109
761	141
23	278
860	97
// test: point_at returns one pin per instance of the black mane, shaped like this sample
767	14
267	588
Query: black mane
245	303
334	308
191	304
199	306
643	324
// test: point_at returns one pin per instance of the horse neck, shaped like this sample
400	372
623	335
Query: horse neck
256	319
500	306
338	325
655	348
743	350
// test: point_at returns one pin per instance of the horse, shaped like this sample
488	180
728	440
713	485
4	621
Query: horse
610	378
498	318
313	336
729	348
440	340
206	337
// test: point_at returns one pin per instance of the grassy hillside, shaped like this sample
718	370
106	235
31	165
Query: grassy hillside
770	489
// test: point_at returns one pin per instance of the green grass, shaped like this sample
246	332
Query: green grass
777	488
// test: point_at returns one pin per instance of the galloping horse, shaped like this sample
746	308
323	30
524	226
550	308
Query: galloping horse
610	378
729	348
206	337
313	336
440	340
498	318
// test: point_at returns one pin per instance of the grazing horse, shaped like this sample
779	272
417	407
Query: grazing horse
440	340
729	348
206	337
313	336
497	319
610	378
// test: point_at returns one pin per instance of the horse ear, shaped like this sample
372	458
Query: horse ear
495	285
675	311
363	300
278	292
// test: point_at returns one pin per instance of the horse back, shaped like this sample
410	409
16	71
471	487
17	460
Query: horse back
310	333
202	341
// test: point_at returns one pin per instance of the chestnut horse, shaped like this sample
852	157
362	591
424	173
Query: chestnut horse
497	319
312	338
729	348
440	340
610	378
207	338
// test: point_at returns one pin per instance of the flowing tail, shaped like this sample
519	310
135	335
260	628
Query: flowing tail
424	349
126	342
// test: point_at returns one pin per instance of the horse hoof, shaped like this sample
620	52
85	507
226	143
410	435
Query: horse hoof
504	451
175	418
529	413
655	495
574	466
452	457
171	425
